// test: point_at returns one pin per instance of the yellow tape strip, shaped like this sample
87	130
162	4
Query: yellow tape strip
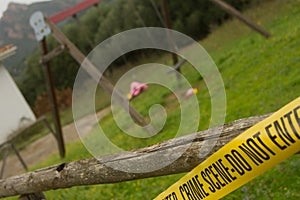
247	156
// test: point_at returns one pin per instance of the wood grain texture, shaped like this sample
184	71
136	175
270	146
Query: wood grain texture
97	171
88	66
231	10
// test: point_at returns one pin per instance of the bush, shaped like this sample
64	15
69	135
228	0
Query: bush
42	103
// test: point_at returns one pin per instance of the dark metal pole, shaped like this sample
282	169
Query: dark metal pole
52	97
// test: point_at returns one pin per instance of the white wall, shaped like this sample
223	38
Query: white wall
15	113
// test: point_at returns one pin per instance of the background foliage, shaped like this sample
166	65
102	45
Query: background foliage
195	18
260	76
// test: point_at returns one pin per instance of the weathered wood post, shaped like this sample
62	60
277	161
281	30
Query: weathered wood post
41	31
52	97
93	71
98	171
231	10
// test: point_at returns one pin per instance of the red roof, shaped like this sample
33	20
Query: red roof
72	11
7	51
5	48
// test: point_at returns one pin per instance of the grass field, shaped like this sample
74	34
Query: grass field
260	76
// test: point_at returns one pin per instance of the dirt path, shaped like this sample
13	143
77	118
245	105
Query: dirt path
42	148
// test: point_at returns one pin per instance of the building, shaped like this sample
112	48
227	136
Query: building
15	113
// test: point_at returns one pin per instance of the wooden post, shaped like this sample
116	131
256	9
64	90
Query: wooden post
93	71
177	66
47	125
4	157
231	10
53	101
55	52
96	171
5	148
19	156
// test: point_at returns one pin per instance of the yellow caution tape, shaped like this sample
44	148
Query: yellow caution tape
247	156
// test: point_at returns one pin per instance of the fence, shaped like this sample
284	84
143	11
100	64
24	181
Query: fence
96	171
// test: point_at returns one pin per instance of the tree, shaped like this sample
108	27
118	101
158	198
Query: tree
192	17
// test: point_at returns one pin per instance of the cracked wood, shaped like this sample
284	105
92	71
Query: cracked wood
97	171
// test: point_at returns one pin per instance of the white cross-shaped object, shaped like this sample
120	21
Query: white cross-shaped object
37	22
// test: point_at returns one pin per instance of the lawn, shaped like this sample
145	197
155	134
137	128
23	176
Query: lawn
260	76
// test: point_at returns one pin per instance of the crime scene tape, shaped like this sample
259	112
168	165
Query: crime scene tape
253	152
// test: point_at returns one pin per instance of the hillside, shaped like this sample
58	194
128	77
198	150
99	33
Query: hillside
260	76
15	28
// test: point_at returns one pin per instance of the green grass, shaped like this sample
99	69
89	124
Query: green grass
260	76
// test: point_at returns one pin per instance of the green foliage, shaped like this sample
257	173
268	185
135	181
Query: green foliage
260	76
193	18
33	83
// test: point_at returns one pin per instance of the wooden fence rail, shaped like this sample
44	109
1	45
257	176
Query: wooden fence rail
96	171
231	10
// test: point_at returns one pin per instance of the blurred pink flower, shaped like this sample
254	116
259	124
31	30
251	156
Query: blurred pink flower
136	88
190	92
